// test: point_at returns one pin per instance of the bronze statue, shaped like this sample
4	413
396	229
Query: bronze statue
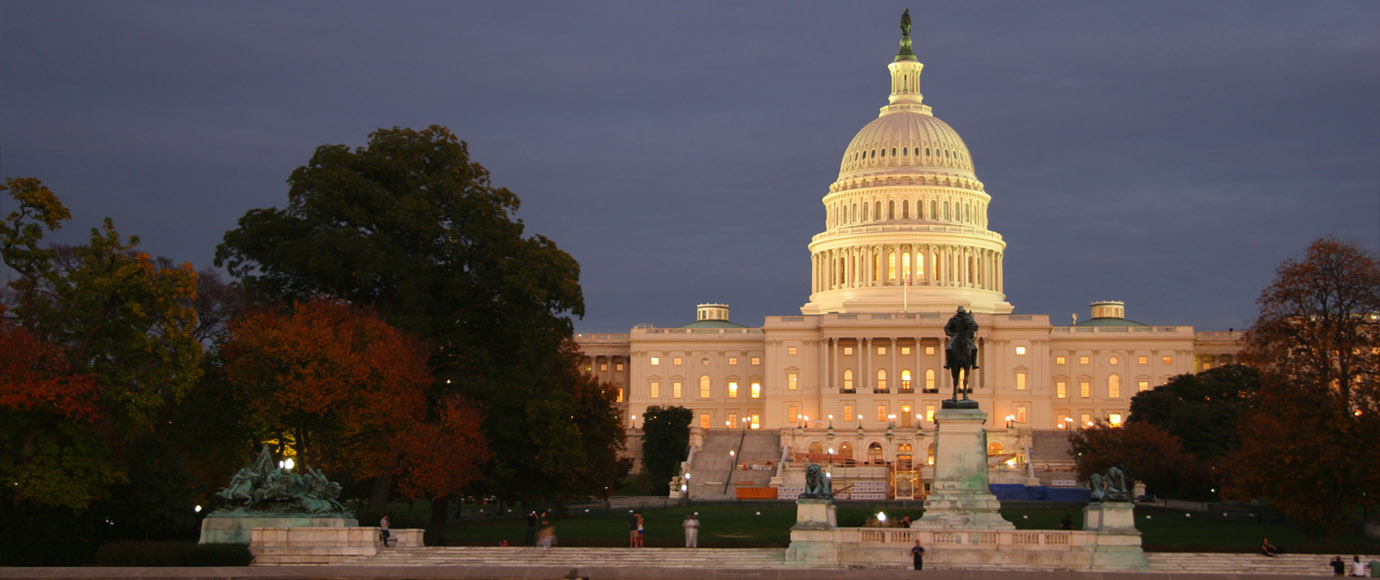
816	484
905	23
1110	487
961	353
266	489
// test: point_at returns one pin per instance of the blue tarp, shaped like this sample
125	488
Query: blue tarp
1017	492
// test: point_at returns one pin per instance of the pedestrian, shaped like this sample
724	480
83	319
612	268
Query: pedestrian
384	533
546	537
692	530
633	525
641	532
1357	568
531	528
918	555
1268	549
1338	566
1066	523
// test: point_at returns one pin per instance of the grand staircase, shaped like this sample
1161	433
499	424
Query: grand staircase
1242	564
714	470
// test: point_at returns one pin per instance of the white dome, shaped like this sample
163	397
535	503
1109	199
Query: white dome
906	141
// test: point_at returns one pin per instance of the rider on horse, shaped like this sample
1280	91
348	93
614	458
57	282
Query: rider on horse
961	328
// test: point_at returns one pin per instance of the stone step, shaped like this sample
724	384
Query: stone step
557	556
1246	564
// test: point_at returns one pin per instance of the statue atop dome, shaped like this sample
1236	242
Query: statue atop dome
905	53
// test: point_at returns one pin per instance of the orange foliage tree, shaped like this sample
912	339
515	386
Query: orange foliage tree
1146	453
439	458
334	379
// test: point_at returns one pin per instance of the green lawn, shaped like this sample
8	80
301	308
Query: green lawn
767	524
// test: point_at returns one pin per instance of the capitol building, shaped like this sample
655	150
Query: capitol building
856	377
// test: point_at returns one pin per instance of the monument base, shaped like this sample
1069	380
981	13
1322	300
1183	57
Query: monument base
235	529
960	496
812	536
1118	540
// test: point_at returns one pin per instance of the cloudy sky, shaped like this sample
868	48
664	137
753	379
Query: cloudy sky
1168	154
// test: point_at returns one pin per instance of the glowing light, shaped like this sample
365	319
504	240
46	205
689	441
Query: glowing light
197	509
881	517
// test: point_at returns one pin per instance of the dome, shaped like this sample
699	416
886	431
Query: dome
906	141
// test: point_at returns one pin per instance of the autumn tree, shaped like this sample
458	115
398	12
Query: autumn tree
335	380
440	457
665	443
1203	410
1145	453
415	229
1309	446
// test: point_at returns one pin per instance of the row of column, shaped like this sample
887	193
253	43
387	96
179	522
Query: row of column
930	265
864	378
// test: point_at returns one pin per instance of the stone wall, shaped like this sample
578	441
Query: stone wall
303	546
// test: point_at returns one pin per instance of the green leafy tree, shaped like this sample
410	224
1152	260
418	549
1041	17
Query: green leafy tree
1203	410
1309	446
1145	453
665	443
409	225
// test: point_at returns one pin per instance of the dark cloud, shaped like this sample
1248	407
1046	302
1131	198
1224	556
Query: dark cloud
1169	154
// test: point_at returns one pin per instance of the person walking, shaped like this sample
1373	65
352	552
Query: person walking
917	554
384	533
634	523
692	531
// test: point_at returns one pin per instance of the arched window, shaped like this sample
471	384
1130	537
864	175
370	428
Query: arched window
704	387
905	381
920	266
891	210
994	448
847	380
929	381
930	460
874	453
756	389
946	211
1114	387
881	381
877	211
891	266
934	215
816	448
876	266
845	449
905	265
864	217
905	210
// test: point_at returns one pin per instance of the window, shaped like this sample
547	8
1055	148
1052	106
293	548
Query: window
732	421
756	360
881	413
816	448
1114	387
994	448
1144	360
756	421
1087	420
733	389
732	361
704	421
881	351
675	361
790	350
1020	381
675	389
1084	389
1169	360
874	453
1063	421
929	413
1142	385
603	366
929	350
881	381
654	390
792	381
1058	360
905	350
1020	351
1061	389
907	414
905	381
848	413
929	382
756	390
704	387
1114	419
845	450
792	414
1020	414
848	350
656	361
848	380
1082	360
589	368
619	396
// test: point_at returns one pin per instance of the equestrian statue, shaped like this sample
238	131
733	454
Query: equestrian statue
960	356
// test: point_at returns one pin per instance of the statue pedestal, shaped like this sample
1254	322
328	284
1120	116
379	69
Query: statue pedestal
235	529
1118	540
1109	515
812	536
960	496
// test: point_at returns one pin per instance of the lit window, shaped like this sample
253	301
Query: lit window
848	413
881	381
1082	360
1114	419
704	387
1145	360
589	368
1061	389
756	360
675	389
733	360
733	389
907	414
618	367
929	381
790	350
756	390
620	395
1169	360
675	361
1087	419
848	380
704	421
881	413
929	350
929	413
905	381
1114	387
994	448
756	421
1058	360
603	366
792	414
1020	351
847	350
656	361
732	420
1142	385
1063	421
881	351
1020	381
792	381
1084	389
905	350
1020	414
654	390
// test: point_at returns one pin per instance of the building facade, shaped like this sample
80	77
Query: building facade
859	372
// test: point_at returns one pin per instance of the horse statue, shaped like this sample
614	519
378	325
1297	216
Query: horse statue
961	353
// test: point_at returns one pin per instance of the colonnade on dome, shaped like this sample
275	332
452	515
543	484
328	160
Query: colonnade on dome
898	264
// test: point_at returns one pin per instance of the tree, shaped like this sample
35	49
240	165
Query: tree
1203	410
334	379
441	457
1146	453
1309	446
665	443
410	226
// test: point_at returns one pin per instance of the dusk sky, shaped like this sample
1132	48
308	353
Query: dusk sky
1167	154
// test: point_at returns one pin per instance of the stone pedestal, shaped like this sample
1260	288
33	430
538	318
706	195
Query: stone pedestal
812	536
1118	540
235	529
960	496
